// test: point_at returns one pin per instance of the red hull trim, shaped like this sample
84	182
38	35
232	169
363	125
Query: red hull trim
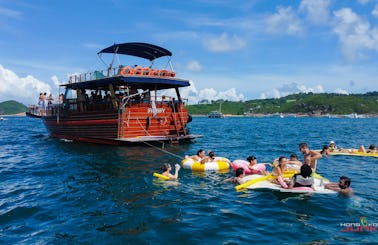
81	122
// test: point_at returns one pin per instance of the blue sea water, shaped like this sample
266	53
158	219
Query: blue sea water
53	191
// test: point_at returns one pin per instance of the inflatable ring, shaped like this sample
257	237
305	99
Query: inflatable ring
218	164
244	164
126	70
160	176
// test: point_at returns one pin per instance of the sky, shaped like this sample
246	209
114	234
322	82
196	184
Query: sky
229	49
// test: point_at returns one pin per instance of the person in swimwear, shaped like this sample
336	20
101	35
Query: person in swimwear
166	168
293	162
310	157
332	146
342	187
325	151
200	156
372	149
279	171
303	179
211	156
252	162
238	178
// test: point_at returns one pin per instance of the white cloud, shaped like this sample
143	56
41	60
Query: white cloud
10	13
363	1
194	96
285	21
355	35
374	12
317	10
291	88
22	89
56	81
193	65
92	45
224	43
341	91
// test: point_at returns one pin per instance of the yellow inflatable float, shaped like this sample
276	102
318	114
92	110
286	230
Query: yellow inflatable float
218	164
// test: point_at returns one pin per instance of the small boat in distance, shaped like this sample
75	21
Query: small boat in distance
215	114
123	104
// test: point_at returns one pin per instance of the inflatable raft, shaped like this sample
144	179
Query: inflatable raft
244	164
354	153
218	164
266	184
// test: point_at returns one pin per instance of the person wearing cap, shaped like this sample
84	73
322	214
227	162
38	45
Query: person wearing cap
332	146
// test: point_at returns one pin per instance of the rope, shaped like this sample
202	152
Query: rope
165	151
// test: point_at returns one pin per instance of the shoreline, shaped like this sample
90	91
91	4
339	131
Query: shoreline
295	115
259	115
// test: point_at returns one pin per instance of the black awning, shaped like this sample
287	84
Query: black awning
135	81
142	50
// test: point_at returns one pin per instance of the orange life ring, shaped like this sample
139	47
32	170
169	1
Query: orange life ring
146	71
164	73
126	70
172	74
139	70
154	72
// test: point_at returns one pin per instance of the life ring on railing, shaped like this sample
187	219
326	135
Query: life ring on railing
126	70
218	164
146	71
172	74
154	73
244	164
138	70
164	73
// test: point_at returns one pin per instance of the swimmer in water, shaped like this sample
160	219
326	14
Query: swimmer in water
238	178
166	168
342	187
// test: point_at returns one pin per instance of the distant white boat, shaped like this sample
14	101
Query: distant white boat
2	119
215	114
353	115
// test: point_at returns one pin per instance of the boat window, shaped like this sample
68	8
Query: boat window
71	94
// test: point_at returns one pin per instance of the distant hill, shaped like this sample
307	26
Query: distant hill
309	103
11	107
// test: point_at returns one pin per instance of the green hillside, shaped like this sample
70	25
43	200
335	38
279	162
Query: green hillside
11	107
312	104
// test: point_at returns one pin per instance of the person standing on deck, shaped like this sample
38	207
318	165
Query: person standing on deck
310	157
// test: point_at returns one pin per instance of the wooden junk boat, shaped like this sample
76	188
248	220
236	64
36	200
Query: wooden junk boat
124	104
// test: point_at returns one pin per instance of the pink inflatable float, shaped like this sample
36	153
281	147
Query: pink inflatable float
244	164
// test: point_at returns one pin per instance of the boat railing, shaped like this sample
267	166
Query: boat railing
121	71
49	110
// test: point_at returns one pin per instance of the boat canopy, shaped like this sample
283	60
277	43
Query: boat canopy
142	50
135	81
